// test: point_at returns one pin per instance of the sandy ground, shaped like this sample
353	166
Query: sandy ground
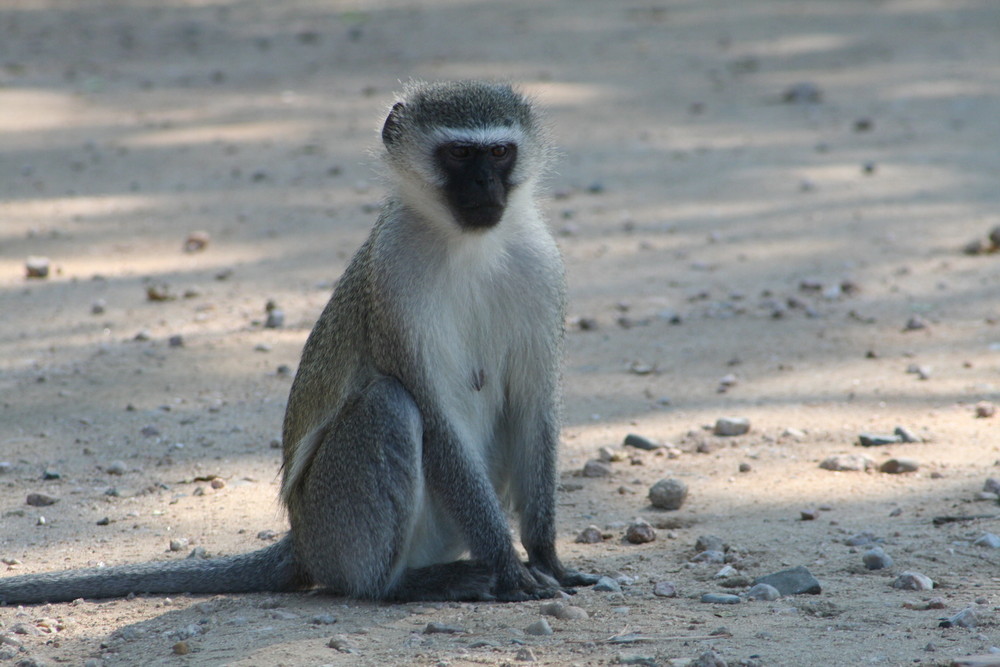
711	228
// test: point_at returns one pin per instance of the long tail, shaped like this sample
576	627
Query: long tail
269	569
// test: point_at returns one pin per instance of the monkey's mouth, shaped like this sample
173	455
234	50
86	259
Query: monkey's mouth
479	217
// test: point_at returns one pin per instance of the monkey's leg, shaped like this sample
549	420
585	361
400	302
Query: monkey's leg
361	500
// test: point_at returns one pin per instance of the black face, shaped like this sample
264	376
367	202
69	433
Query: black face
477	181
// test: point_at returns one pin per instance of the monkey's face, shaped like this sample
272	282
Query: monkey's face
477	180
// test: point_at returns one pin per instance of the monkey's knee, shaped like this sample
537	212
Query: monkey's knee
354	515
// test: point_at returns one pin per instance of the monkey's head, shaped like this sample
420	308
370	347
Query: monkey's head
468	146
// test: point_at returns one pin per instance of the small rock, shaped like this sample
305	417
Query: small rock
709	543
640	532
992	485
176	341
639	442
804	92
876	559
906	435
539	628
876	439
728	426
595	468
147	432
103	522
899	466
607	585
98	307
525	654
985	410
196	241
966	618
181	648
564	612
668	494
862	539
198	552
913	581
793	581
809	514
50	474
590	535
988	540
720	598
765	592
340	643
36	267
915	324
745	467
41	499
710	556
847	462
443	629
275	319
116	468
323	619
608	455
179	543
218	483
159	292
665	589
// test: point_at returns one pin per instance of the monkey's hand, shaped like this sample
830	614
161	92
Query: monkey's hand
564	578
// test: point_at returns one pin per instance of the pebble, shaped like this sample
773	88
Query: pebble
640	532
985	410
720	598
564	612
966	618
861	539
443	629
159	292
707	659
809	515
804	92
196	241
876	559
525	654
275	319
590	535
176	340
98	307
710	556
539	628
198	552
913	581
41	499
992	485
607	585
323	619
668	494
36	267
745	467
50	474
709	543
878	439
765	592
793	581
595	468
847	462
181	648
608	455
899	466
728	426
639	442
218	483
116	468
340	643
179	543
988	540
906	435
915	324
665	589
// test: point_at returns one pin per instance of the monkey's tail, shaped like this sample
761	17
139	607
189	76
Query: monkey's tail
270	569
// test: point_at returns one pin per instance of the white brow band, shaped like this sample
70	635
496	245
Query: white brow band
485	136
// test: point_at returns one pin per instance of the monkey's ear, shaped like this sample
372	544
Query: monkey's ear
390	129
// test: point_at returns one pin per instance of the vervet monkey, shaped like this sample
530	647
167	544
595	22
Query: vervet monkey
425	404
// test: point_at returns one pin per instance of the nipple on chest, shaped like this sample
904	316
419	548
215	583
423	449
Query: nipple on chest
478	379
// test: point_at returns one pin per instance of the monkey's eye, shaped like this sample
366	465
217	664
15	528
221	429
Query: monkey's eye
459	152
499	150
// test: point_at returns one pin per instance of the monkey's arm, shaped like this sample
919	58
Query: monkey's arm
462	486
